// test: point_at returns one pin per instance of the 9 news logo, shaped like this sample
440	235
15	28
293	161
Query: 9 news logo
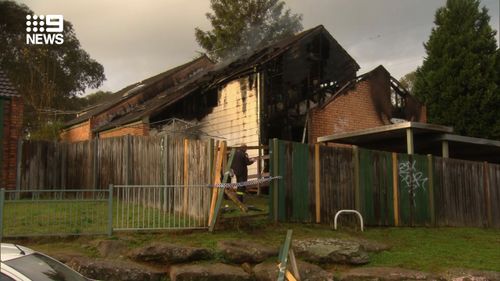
46	29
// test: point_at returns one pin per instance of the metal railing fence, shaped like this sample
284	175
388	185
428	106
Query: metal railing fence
53	212
123	207
148	207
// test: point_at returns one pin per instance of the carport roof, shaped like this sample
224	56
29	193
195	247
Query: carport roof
427	139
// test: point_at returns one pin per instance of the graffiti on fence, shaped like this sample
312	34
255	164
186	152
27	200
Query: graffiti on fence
412	178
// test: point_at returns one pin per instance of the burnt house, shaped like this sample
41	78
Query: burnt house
89	122
261	95
370	100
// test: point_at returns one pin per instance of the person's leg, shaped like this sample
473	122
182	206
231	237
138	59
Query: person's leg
240	191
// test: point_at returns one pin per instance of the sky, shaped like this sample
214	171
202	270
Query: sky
136	39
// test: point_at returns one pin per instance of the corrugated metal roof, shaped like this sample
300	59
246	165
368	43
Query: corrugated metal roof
6	87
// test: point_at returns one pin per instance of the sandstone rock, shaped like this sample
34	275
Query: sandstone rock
372	246
241	251
169	253
386	274
208	272
268	271
460	274
330	251
111	248
115	270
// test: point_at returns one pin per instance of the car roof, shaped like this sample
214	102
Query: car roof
10	251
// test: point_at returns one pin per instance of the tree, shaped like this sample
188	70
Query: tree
240	26
47	76
458	80
408	81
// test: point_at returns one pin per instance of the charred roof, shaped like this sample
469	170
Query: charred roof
225	71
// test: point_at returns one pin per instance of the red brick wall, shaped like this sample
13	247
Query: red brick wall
367	104
12	132
78	132
138	129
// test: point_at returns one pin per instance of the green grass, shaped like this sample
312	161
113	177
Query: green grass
427	249
260	202
85	217
435	249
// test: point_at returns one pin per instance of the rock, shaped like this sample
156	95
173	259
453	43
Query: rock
330	251
169	253
459	274
111	248
268	271
208	272
385	274
372	246
115	270
241	251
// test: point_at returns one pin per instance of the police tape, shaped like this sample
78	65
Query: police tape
245	183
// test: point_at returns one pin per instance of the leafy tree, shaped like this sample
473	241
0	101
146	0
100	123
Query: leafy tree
408	81
240	26
47	76
458	80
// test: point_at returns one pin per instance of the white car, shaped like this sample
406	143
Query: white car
19	263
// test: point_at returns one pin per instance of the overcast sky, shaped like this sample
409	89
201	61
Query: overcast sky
136	39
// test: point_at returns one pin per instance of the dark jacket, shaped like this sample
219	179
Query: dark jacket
240	163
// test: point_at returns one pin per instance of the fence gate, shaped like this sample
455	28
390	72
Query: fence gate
137	207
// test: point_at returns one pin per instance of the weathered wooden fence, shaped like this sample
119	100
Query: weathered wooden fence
127	160
389	189
124	161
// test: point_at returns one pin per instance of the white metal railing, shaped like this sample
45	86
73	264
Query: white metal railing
348	211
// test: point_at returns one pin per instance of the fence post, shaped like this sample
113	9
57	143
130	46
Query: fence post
275	183
430	173
95	168
395	189
317	182
110	210
487	195
355	151
2	199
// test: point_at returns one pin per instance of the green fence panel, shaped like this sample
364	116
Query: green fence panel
413	190
300	177
283	182
1	137
376	185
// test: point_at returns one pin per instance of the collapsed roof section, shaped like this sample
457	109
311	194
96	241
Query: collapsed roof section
146	89
397	102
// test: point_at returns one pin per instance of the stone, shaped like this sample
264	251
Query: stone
208	272
386	274
111	248
461	274
330	251
165	253
111	270
268	271
372	246
241	251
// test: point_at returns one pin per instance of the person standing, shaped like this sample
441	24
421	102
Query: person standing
240	169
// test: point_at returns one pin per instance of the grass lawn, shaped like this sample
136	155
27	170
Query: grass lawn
433	249
427	249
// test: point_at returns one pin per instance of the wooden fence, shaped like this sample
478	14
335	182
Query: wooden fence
389	189
127	160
